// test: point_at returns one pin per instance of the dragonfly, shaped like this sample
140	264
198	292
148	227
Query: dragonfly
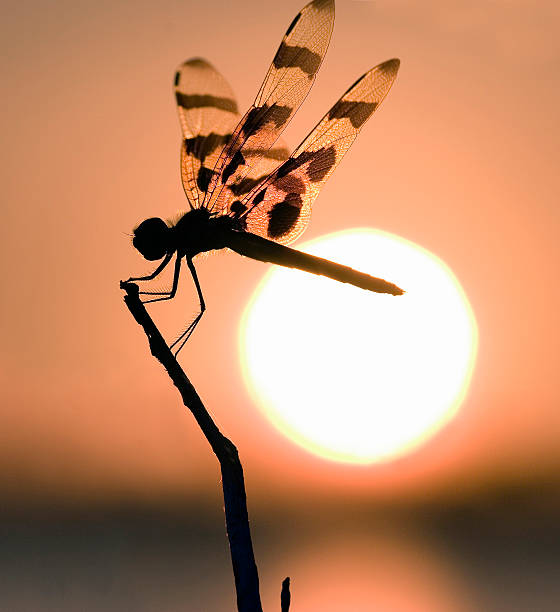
245	191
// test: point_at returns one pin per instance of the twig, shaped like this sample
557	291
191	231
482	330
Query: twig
285	595
235	500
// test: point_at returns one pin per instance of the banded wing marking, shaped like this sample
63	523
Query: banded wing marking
208	115
279	208
285	86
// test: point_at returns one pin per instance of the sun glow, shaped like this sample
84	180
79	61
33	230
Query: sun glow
355	376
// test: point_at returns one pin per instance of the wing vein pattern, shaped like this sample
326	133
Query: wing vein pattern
239	166
279	207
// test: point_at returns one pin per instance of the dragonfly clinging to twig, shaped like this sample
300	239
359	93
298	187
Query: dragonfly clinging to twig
245	191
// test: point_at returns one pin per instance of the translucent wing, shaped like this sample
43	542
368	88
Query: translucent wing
208	115
279	207
267	162
285	86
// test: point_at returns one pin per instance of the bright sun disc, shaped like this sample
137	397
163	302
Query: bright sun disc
355	376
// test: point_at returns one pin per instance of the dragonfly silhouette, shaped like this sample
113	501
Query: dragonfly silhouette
245	191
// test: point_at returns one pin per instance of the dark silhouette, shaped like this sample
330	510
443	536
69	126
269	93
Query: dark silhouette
197	231
246	193
244	190
233	485
285	595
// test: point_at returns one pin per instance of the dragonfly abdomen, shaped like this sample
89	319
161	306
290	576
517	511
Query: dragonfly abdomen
255	247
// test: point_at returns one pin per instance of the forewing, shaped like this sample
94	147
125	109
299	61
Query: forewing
285	86
279	208
208	115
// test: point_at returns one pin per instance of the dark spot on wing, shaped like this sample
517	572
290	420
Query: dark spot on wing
237	208
259	116
189	101
391	65
278	153
204	177
290	183
289	56
197	62
259	197
322	162
202	146
245	185
236	161
357	112
283	215
291	26
177	78
293	163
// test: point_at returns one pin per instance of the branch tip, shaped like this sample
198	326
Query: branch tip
285	596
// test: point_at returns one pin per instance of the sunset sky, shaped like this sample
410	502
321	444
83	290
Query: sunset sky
461	159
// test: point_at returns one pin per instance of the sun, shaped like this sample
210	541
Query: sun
355	376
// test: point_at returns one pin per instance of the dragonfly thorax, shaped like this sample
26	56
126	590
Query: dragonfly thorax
199	230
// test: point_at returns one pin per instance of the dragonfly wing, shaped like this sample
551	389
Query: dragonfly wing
285	86
208	115
257	173
280	206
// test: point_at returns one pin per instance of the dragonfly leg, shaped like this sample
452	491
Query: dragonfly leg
159	269
166	295
182	339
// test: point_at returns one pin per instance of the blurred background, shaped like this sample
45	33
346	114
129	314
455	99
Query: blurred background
110	498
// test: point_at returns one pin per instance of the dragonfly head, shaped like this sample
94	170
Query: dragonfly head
153	238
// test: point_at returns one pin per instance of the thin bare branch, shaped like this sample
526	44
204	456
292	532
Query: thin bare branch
285	596
233	485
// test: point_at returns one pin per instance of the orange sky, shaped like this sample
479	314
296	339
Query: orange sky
461	159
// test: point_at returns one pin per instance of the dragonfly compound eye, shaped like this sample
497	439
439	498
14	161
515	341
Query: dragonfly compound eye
152	238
